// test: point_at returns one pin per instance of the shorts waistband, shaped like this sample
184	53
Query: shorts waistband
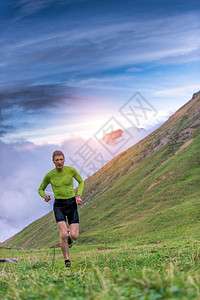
64	200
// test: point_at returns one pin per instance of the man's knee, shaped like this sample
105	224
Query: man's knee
74	235
64	235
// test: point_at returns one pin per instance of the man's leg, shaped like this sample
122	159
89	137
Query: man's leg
63	239
74	230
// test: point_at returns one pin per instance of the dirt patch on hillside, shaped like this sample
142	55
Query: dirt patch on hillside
186	144
157	181
160	179
33	236
154	183
150	210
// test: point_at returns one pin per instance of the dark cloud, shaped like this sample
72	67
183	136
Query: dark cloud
35	97
23	99
5	129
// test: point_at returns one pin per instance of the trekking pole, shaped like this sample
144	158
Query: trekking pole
54	253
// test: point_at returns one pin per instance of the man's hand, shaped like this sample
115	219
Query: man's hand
78	200
47	198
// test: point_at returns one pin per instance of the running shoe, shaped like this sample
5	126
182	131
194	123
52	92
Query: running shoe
67	263
70	241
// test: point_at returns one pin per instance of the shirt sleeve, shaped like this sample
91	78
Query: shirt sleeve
80	181
43	186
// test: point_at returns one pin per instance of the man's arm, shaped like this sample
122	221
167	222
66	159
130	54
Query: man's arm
42	188
80	186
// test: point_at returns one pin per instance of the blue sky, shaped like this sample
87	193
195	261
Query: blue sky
68	66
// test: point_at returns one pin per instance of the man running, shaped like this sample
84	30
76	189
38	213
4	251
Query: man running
61	180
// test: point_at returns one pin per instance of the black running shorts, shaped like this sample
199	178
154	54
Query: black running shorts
66	208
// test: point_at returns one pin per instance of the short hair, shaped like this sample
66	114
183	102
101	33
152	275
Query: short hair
57	153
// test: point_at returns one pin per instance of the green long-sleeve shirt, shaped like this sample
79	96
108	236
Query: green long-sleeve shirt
62	183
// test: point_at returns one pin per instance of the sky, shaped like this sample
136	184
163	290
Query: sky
69	68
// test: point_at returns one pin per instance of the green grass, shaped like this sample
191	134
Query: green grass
105	271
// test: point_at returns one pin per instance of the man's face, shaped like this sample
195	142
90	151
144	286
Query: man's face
59	162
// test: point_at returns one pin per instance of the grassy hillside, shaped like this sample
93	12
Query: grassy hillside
148	193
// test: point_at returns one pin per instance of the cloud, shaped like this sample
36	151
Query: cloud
180	91
24	100
190	55
29	7
66	49
23	166
4	129
133	69
34	97
106	44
